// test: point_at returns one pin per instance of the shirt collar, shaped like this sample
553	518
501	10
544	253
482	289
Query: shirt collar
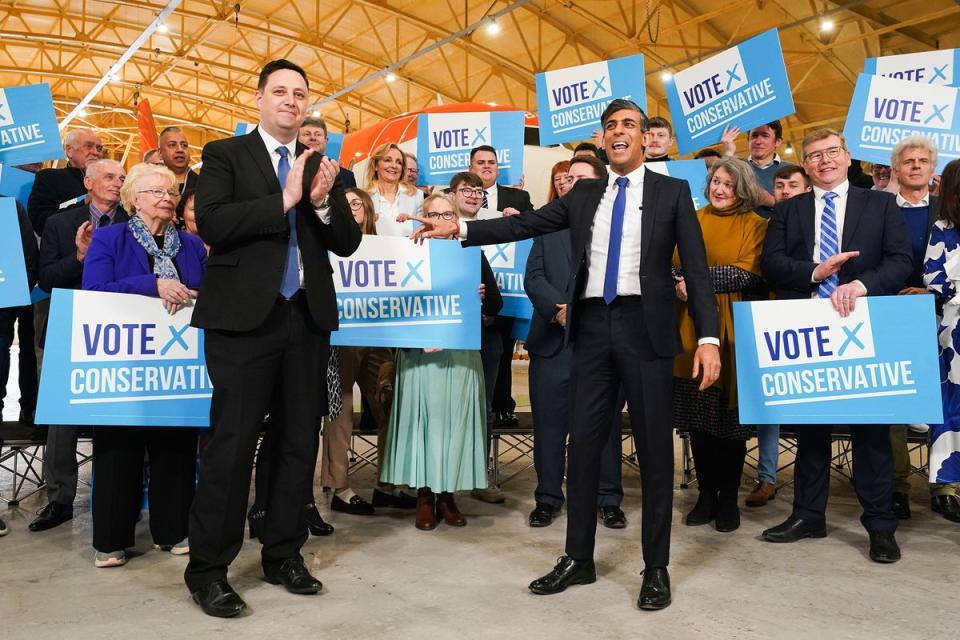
635	177
906	204
97	213
272	143
776	160
841	190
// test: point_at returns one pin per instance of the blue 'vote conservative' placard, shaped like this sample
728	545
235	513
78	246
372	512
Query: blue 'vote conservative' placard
121	360
799	362
693	171
13	272
886	110
509	264
570	101
395	293
444	141
16	183
928	67
744	86
28	125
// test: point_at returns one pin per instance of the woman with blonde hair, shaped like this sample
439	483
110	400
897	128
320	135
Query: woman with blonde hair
392	196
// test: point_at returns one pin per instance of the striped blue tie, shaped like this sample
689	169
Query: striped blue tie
290	283
829	242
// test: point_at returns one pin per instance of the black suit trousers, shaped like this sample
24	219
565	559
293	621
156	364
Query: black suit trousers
550	406
872	474
611	350
286	352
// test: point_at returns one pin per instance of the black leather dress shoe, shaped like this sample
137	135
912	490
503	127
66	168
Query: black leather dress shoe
948	506
256	517
399	500
508	418
543	515
293	575
315	523
613	517
218	599
901	505
655	590
567	572
355	506
793	529
52	515
883	547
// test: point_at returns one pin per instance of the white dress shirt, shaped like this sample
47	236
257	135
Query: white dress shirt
272	144
387	212
628	274
903	203
492	197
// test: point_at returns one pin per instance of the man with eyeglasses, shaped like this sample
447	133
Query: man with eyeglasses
63	249
546	282
839	242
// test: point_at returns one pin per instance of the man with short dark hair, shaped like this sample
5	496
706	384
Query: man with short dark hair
313	134
708	155
63	250
174	151
271	209
658	140
586	149
624	333
56	189
880	174
838	242
763	142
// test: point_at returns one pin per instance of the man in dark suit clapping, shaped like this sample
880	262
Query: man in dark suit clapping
839	242
270	209
620	317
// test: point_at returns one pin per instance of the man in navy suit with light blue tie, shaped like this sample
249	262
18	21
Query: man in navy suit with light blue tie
839	242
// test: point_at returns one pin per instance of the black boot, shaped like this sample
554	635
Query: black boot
705	465
731	467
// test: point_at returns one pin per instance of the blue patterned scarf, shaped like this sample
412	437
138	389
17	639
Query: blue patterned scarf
163	266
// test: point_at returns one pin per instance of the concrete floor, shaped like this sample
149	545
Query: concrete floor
385	579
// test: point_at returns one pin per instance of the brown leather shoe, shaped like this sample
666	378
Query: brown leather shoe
762	493
426	518
447	509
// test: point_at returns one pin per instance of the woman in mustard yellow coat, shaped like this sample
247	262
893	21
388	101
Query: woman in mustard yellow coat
733	236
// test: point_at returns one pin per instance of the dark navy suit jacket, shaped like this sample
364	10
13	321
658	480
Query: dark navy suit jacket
547	283
116	262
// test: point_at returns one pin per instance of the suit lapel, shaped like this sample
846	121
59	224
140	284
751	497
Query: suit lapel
933	215
851	217
808	220
261	158
651	191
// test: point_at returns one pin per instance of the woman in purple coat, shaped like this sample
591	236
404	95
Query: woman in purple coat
150	257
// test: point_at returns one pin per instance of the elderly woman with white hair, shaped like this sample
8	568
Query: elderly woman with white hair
150	257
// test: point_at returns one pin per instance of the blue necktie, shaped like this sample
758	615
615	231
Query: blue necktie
290	283
829	242
486	203
616	239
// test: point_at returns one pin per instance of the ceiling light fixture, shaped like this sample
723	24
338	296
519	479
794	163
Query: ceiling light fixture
391	77
493	28
162	28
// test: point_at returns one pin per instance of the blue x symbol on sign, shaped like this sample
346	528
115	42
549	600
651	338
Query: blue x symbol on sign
480	137
939	72
732	75
412	273
851	336
500	252
937	113
176	338
598	86
2	118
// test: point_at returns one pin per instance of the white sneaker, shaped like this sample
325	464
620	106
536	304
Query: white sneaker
3	529
491	494
920	428
182	548
112	559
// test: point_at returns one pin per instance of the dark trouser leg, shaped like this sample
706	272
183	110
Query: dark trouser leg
503	401
812	472
611	465
491	348
593	395
549	404
730	468
304	401
27	361
242	367
173	465
7	319
873	476
60	468
117	486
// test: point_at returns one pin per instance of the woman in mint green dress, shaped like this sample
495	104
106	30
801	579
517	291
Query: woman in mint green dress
437	435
